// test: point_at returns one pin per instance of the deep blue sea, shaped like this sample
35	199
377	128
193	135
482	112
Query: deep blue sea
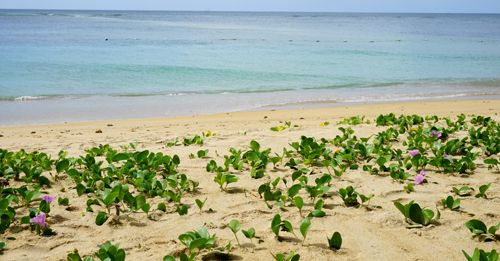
72	65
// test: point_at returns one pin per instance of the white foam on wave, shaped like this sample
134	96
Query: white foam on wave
28	98
176	94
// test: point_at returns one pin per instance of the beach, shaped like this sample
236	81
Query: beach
376	230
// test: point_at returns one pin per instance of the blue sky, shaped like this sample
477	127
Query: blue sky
415	6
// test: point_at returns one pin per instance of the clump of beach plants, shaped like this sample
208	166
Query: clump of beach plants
285	126
482	191
278	225
481	231
282	257
463	191
200	239
335	241
450	203
481	255
416	214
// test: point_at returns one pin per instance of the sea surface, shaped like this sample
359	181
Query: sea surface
75	65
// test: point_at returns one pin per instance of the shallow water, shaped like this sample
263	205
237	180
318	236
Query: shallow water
57	66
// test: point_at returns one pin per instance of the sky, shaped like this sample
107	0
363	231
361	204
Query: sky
391	6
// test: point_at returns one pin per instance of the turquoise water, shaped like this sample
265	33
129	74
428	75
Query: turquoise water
157	64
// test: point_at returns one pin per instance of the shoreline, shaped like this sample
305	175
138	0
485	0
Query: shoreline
128	107
243	120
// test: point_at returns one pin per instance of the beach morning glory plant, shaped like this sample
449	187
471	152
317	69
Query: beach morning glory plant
420	178
48	199
435	133
40	220
413	152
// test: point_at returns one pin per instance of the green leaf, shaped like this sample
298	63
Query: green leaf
199	242
278	257
305	225
200	203
108	197
202	153
183	210
33	194
80	189
294	190
101	218
316	213
161	206
139	201
141	156
287	225
146	207
3	245
298	202
43	181
44	207
275	224
427	216
335	241
476	226
4	222
250	233
456	204
493	229
234	225
401	208
62	165
416	214
255	146
120	255
475	255
120	157
168	258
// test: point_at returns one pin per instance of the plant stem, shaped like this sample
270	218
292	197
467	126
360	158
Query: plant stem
237	240
253	247
297	238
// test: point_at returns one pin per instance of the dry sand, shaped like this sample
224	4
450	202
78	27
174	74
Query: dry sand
368	233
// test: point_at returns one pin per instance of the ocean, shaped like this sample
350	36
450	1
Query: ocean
76	65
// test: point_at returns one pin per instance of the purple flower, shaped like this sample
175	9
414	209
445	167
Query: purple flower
447	156
419	179
352	146
423	173
48	199
40	220
100	145
433	133
413	152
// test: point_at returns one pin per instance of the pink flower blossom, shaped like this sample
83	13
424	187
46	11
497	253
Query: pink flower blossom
40	220
447	156
419	179
423	173
413	152
352	146
48	199
434	133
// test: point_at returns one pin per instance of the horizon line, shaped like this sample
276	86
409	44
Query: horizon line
145	10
